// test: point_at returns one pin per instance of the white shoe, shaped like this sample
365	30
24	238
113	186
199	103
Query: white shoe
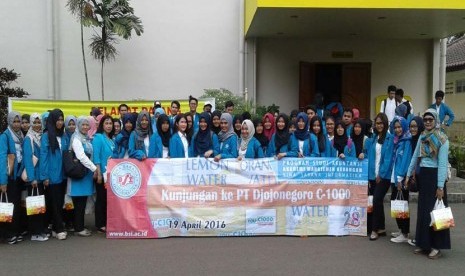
396	234
412	242
39	238
84	233
400	239
61	236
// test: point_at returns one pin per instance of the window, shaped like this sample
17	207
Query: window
460	86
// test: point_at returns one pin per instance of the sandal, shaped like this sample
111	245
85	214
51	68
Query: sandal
419	251
434	254
381	233
374	236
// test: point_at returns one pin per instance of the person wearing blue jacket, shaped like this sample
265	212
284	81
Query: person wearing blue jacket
379	172
227	138
52	145
359	138
80	189
139	140
31	160
70	126
249	147
401	160
193	103
103	147
443	110
14	138
431	155
179	143
205	142
160	140
322	141
307	143
122	139
156	114
342	145
281	143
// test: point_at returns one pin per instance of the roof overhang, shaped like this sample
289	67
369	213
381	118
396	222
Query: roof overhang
388	19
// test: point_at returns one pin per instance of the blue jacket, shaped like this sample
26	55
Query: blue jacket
103	149
120	150
156	146
51	163
3	159
215	146
403	156
29	149
176	147
385	164
292	148
195	122
85	185
137	153
443	111
311	142
349	150
11	149
228	149
254	149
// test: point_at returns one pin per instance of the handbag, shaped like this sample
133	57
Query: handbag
72	166
6	209
35	160
399	207
441	216
35	204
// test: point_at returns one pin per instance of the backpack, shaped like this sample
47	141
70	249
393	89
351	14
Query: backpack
409	108
385	102
335	110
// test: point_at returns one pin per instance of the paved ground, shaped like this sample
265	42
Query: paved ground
232	256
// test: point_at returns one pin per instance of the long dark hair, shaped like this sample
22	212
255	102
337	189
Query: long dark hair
382	135
100	126
53	131
321	136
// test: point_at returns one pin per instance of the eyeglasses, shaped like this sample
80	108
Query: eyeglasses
428	120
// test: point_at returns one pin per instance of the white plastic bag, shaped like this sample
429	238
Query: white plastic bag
90	206
35	204
399	207
6	209
370	204
441	216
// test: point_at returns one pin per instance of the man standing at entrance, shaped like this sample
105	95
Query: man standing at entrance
443	109
388	105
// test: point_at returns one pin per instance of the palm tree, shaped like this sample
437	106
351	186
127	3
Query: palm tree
76	7
113	18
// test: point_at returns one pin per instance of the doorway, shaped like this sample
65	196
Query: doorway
348	83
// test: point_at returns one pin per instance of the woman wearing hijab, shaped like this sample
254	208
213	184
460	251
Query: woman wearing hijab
269	125
249	147
281	143
103	146
93	125
70	126
122	139
342	144
416	127
260	135
25	123
52	145
160	140
307	143
13	145
179	145
205	142
401	159
80	189
379	172
323	143
158	111
237	123
359	137
215	125
31	157
228	138
431	154
139	141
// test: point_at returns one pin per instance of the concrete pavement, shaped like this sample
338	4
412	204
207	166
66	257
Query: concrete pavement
279	255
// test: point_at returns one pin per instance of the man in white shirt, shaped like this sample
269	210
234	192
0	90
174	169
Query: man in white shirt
388	105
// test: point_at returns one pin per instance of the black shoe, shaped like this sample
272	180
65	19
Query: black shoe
12	240
20	238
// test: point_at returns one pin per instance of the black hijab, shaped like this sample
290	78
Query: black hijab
320	136
282	136
165	136
203	139
52	130
217	129
358	139
124	133
340	141
421	128
260	136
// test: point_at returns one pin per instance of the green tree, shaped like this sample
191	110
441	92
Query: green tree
111	19
7	77
76	7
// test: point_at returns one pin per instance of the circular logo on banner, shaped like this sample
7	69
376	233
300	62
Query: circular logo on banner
125	180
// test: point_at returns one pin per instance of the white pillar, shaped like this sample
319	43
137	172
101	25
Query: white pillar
435	66
50	51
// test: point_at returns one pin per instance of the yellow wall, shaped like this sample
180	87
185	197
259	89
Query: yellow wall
372	4
381	98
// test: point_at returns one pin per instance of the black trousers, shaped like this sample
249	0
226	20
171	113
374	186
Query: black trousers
79	203
101	206
14	196
380	190
36	222
56	206
403	224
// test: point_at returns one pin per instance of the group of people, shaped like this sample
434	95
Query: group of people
397	148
